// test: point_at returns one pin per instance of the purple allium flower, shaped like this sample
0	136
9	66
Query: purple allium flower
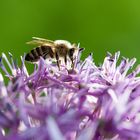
89	102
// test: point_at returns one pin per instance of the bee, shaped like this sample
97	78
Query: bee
52	49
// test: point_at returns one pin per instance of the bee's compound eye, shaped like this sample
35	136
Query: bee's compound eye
71	51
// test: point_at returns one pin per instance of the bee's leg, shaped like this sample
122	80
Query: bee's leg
71	52
65	59
57	60
72	63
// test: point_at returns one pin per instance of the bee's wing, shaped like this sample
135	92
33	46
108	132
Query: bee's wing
40	41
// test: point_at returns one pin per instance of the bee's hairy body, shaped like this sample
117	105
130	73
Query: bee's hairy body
51	49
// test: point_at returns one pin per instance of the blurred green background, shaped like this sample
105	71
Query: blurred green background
99	25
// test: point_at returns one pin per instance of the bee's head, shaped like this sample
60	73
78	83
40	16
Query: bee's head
74	51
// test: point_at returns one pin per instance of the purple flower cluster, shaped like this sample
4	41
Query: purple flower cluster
87	103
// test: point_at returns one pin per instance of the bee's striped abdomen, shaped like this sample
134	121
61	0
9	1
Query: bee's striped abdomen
43	51
39	51
32	56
